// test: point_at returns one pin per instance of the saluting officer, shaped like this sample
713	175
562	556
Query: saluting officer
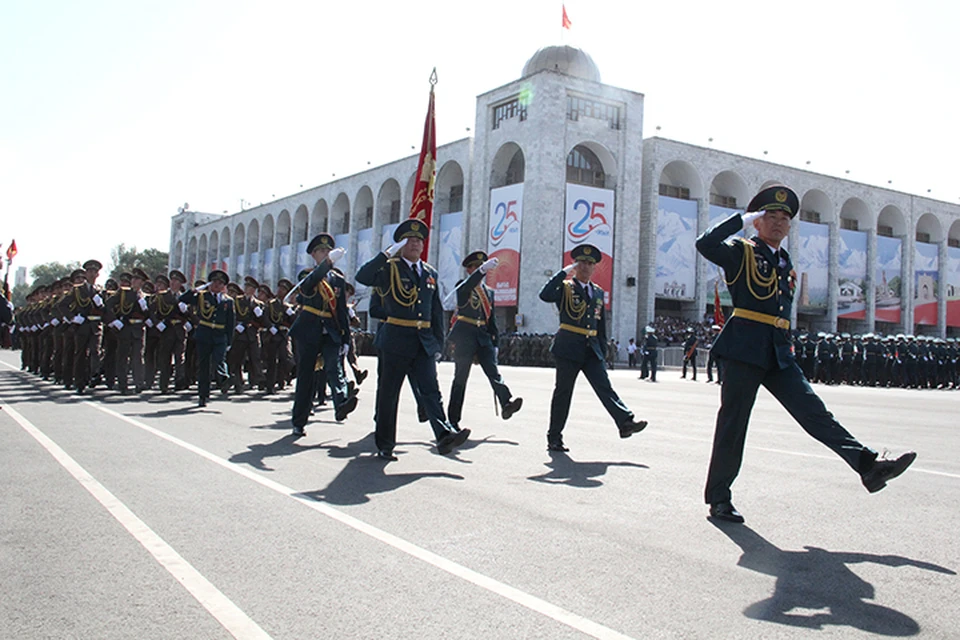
411	338
214	332
474	335
321	329
579	345
756	347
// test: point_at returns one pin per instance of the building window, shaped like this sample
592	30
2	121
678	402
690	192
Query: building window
367	219
884	230
510	109
730	202
456	198
583	167
516	169
923	237
953	242
808	215
578	107
850	225
394	215
671	191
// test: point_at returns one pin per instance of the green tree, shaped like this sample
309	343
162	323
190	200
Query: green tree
50	272
18	296
124	258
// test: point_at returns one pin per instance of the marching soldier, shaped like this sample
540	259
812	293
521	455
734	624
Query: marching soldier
690	354
578	345
151	337
276	345
216	320
169	317
474	335
127	310
411	338
66	310
321	329
649	354
88	307
756	347
109	337
246	339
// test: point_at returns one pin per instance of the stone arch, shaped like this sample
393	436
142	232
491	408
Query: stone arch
240	240
892	222
192	255
856	209
319	218
225	244
253	236
953	236
448	192
202	251
266	233
301	224
340	215
508	166
363	208
816	202
729	189
681	180
283	229
590	163
929	224
177	262
213	250
388	202
408	195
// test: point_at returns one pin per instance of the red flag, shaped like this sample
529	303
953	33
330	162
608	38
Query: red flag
718	318
421	207
12	250
566	24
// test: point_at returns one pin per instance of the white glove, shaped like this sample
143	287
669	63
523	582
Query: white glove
117	324
570	267
489	264
183	307
240	328
187	327
149	322
748	218
336	254
161	326
78	319
257	311
143	303
291	312
273	330
55	322
97	300
393	249
344	349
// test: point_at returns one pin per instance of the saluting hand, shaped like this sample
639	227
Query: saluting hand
336	254
569	268
393	249
489	264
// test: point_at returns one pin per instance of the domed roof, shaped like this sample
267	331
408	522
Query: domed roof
565	59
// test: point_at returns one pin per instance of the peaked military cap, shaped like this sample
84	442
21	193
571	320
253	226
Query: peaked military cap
411	228
777	197
110	284
250	281
234	289
77	273
475	259
148	287
587	253
178	275
283	283
321	240
92	264
219	276
162	278
265	288
199	282
125	277
140	273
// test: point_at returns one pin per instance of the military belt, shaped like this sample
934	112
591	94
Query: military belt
204	323
765	318
317	312
176	321
135	321
473	321
416	324
92	318
575	329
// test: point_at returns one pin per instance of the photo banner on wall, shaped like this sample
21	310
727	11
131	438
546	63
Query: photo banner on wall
953	286
449	258
852	263
589	220
284	265
267	273
676	276
503	242
304	261
365	251
887	279
240	268
926	273
715	275
811	261
253	266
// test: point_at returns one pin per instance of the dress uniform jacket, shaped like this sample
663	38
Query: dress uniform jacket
583	324
474	323
323	307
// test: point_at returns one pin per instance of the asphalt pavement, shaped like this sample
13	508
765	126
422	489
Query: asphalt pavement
148	517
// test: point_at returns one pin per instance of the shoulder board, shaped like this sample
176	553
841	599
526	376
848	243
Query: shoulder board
389	260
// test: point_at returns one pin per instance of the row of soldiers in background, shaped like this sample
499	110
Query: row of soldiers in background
905	361
134	334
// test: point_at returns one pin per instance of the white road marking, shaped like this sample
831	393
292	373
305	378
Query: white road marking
233	619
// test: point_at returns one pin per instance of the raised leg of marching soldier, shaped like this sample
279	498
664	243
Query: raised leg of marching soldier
488	364
235	360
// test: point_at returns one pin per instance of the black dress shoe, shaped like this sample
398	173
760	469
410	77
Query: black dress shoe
202	402
512	407
725	511
299	432
362	375
386	455
344	410
452	440
883	470
557	446
627	429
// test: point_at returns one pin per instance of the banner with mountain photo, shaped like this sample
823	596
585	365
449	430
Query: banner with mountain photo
953	286
811	261
449	257
716	215
926	273
888	279
365	251
852	263
676	248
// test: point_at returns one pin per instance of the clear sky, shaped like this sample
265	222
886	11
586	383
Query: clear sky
114	113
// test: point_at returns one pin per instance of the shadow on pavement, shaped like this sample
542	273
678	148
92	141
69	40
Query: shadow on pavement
285	446
565	470
817	579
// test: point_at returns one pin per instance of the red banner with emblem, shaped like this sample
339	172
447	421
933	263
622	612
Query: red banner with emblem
421	207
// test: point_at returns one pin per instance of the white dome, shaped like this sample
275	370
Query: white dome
564	59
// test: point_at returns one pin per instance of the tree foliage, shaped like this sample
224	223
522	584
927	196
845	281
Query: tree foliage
124	258
50	272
